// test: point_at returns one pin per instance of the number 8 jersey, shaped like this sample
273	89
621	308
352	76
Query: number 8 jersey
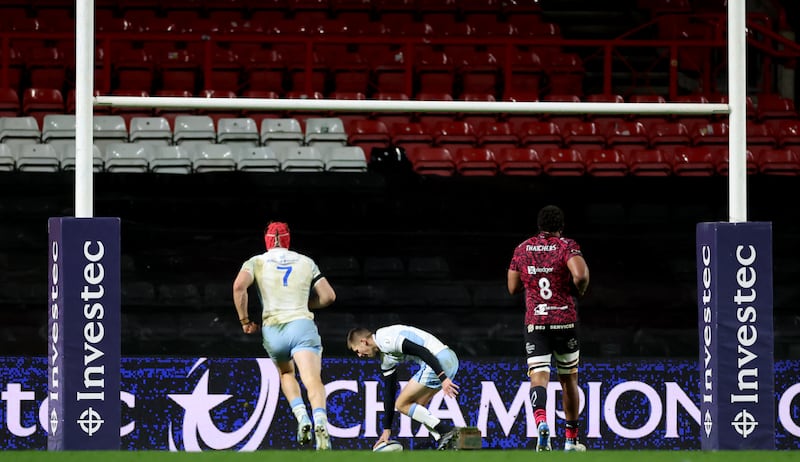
284	279
550	295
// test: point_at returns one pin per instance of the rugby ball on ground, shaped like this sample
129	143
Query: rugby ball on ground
388	446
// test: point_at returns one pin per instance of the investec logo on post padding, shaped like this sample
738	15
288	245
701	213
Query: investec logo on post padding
707	340
747	382
94	370
56	302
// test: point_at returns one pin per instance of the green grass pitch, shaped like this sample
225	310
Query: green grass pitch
415	456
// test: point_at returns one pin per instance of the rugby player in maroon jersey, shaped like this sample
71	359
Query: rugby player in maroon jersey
551	271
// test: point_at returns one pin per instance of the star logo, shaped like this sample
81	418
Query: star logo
199	427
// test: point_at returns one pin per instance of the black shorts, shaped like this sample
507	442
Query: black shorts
557	339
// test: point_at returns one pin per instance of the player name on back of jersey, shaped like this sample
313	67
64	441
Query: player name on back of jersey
541	248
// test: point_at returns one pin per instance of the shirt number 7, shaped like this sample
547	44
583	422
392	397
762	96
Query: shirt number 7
287	271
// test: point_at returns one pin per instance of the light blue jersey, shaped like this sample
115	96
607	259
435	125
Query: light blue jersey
390	343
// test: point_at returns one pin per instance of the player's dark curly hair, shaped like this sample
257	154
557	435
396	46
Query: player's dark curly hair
551	219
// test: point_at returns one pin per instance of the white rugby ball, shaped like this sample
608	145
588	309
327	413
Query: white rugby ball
388	446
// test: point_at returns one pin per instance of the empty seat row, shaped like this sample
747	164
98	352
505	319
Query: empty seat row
680	161
199	158
323	133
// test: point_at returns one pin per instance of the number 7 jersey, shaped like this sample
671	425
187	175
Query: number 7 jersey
284	279
550	295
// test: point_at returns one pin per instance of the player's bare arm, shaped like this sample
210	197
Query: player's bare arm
514	282
580	273
322	295
240	300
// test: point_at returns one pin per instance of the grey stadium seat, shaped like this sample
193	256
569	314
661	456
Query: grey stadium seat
281	134
127	157
193	130
302	159
257	159
171	159
150	130
109	129
210	157
345	159
67	155
37	158
19	130
238	131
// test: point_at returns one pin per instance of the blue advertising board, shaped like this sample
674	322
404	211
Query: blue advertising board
83	380
734	280
199	404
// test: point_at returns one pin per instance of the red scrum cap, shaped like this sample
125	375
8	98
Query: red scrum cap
277	235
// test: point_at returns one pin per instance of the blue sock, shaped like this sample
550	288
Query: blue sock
320	414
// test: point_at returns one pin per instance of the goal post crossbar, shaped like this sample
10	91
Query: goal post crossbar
503	107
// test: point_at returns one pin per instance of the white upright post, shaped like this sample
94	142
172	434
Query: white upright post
737	98
84	108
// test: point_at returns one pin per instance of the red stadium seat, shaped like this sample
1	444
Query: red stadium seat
759	134
693	161
479	73
475	162
391	118
410	135
431	161
134	71
527	73
434	72
773	106
584	134
566	74
563	162
605	162
226	71
711	133
16	66
264	71
786	131
540	134
721	157
368	134
454	135
430	119
9	102
785	162
669	133
350	72
519	162
649	162
46	68
178	70
496	136
299	73
623	132
476	118
37	102
389	73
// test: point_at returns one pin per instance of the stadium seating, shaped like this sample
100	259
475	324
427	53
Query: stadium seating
241	132
784	162
193	130
109	129
427	160
9	102
301	159
150	130
605	162
367	134
67	158
496	136
256	159
563	162
693	161
58	129
38	102
8	162
37	158
281	134
475	162
325	134
345	159
127	157
519	161
212	157
19	130
649	162
171	159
